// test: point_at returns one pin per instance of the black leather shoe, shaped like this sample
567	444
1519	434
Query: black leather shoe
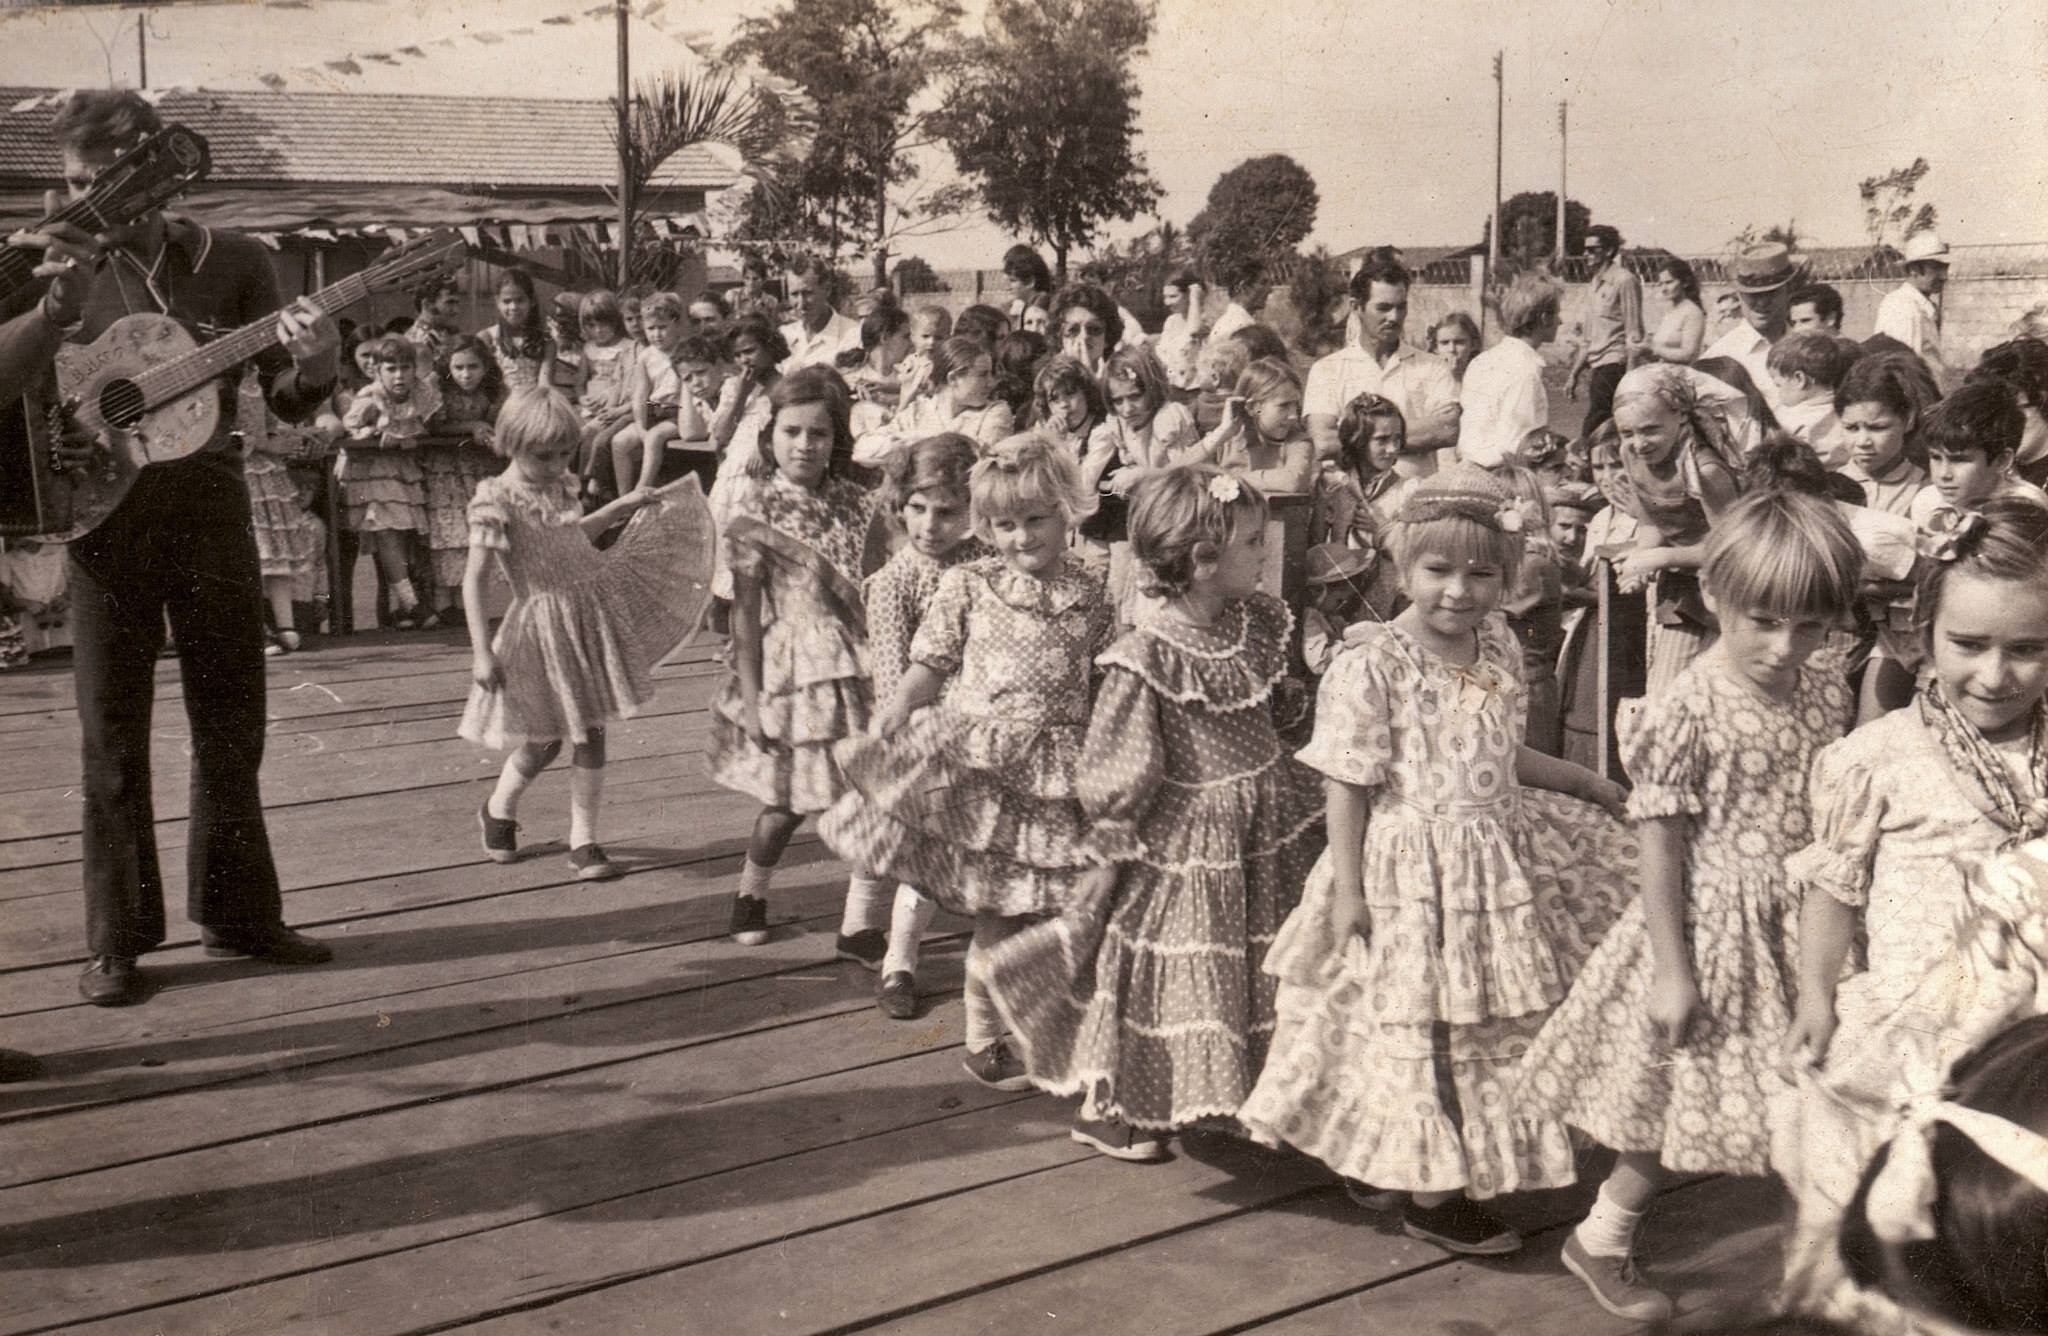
16	1065
275	943
897	997
110	981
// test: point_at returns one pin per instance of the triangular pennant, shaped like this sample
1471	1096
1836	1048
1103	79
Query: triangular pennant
274	82
471	235
343	66
487	38
560	20
381	57
412	51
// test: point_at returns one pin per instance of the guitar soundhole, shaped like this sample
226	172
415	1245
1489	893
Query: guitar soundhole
120	403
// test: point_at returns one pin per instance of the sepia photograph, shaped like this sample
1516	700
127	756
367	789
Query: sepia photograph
969	667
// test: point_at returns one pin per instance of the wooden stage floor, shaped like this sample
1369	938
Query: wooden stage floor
518	1103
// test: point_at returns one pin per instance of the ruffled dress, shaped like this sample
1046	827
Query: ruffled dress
585	627
381	483
1732	763
803	547
452	474
291	542
1393	1061
1898	836
520	359
1160	1005
974	801
897	597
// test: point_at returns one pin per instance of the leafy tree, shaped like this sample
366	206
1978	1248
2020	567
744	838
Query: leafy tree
1889	214
1257	213
867	65
1042	118
914	274
1315	286
1528	226
1786	234
1136	271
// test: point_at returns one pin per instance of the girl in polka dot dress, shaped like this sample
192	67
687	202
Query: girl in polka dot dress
973	797
1667	1049
1150	1001
1460	893
925	484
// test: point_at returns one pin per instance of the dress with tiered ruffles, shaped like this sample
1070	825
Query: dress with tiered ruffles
1394	1055
974	801
1156	1000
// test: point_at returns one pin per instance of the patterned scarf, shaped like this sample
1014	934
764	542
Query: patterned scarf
2023	816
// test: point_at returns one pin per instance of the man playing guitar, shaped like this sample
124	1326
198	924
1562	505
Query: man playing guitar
180	543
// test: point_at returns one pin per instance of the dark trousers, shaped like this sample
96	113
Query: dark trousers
179	545
1600	386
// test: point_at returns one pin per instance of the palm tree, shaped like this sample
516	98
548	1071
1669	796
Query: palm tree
765	121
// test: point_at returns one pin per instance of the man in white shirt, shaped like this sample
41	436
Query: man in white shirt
1764	277
1419	383
1908	312
1181	336
818	334
1504	398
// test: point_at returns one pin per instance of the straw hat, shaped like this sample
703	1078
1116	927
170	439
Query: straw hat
1764	268
1925	248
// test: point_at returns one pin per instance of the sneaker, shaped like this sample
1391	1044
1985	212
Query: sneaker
284	642
1372	1198
591	864
110	981
864	948
501	834
997	1068
896	997
1460	1225
1615	1283
749	925
426	620
1117	1139
273	942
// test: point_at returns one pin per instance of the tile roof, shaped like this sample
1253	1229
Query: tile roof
492	143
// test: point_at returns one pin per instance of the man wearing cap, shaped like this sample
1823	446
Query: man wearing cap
1909	312
1764	278
1418	383
1614	322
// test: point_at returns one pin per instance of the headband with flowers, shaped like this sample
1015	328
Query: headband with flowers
1947	532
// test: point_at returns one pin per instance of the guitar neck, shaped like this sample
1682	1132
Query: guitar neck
181	375
18	263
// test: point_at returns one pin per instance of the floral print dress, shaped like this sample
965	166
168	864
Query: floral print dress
803	548
452	474
974	801
1394	1055
1160	1002
1732	763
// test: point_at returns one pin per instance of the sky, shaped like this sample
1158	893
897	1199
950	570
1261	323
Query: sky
1690	119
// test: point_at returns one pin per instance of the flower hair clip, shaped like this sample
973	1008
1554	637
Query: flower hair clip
1946	531
1509	518
1224	488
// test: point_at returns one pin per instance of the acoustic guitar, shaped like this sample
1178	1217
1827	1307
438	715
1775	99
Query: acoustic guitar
145	389
143	179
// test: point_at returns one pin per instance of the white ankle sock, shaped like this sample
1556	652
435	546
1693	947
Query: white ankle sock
754	879
908	918
982	1022
866	905
586	790
1609	1229
512	781
403	598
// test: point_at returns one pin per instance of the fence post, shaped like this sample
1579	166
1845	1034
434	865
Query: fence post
1477	264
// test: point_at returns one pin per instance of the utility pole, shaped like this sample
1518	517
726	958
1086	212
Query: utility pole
1500	104
1563	157
142	48
625	154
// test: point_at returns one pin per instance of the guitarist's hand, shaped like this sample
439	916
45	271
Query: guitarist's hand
70	259
75	448
310	335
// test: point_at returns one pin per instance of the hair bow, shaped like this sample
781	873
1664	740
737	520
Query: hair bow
1509	518
1900	1206
1224	488
1946	531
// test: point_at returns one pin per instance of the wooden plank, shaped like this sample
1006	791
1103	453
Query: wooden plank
985	1139
1713	1244
477	1036
123	1241
830	1280
524	944
425	817
318	774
